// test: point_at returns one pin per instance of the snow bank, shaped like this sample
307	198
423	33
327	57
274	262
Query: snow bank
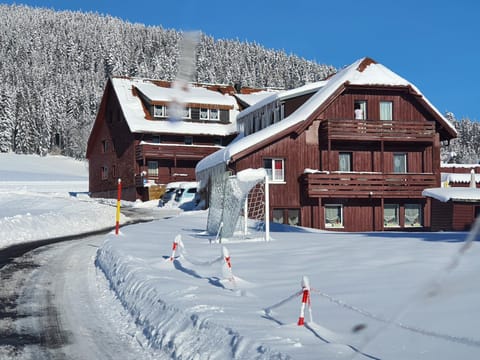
35	202
27	216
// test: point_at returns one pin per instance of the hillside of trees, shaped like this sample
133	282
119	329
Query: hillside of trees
465	149
54	66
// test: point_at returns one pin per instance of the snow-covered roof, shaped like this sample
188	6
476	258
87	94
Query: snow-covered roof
255	97
361	72
460	166
459	177
195	95
134	114
283	95
455	194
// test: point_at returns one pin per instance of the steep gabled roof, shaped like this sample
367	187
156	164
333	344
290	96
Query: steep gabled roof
363	72
133	111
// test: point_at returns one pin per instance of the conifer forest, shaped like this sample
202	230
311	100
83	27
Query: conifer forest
54	66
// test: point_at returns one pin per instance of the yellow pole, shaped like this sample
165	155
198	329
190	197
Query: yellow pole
119	197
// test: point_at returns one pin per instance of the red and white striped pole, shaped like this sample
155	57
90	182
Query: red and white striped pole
305	300
119	197
176	242
228	263
226	257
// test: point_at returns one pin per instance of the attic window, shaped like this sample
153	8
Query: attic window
159	111
209	114
104	146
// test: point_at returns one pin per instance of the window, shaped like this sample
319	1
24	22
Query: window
275	169
333	216
104	146
400	163
360	109
209	114
390	215
345	161
278	216
159	111
286	216
413	215
386	110
104	171
188	140
293	216
203	114
186	113
152	168
156	139
214	114
114	171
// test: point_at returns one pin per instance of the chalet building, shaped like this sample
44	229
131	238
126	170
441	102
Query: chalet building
134	137
352	153
456	204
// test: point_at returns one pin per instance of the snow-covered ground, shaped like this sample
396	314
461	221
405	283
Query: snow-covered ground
373	295
35	203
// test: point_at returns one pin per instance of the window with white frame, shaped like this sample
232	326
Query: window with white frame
413	215
400	163
159	111
152	168
204	114
275	169
209	114
214	114
186	113
386	110
333	215
391	215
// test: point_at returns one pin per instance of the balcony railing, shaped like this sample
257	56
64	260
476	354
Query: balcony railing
367	185
169	151
377	130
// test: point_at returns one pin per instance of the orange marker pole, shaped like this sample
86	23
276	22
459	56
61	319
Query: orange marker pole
119	197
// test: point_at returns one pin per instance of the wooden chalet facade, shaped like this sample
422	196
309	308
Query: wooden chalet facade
135	139
331	167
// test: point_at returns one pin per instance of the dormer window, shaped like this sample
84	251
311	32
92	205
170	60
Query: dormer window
214	114
209	114
204	114
185	113
159	111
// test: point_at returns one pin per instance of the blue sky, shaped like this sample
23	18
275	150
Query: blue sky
432	43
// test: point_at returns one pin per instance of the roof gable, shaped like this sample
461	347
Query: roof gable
363	72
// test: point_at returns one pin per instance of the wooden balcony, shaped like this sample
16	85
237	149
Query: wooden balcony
169	151
366	185
375	130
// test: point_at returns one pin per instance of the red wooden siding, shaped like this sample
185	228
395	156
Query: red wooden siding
372	144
